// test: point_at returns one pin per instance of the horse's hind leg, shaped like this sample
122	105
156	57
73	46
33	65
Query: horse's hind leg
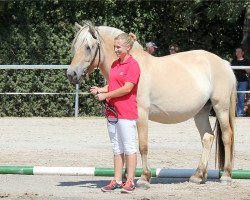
225	142
207	137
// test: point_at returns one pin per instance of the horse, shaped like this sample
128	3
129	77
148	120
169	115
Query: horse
202	78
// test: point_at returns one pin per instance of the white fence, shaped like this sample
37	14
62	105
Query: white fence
241	67
76	93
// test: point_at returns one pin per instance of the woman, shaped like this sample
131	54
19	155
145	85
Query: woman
120	93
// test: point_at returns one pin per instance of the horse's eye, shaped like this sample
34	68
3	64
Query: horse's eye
88	48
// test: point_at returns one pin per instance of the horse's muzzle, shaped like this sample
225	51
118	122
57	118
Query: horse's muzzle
72	76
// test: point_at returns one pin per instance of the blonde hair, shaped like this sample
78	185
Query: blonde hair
128	39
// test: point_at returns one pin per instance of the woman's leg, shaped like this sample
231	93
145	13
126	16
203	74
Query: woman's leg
131	163
127	130
118	166
117	147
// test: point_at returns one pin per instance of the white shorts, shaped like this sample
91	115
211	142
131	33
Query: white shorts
123	136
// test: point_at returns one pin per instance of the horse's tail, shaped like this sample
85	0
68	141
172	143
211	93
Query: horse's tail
220	149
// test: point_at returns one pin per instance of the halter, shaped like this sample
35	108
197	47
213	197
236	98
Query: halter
98	49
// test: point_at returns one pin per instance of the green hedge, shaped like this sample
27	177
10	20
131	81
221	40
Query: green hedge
41	32
45	81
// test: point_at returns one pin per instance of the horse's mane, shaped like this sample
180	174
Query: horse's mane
113	32
86	36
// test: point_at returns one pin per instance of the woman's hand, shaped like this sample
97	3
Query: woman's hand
100	93
94	90
101	96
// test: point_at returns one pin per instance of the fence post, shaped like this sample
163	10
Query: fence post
76	100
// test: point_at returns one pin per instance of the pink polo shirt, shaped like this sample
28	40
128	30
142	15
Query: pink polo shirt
128	71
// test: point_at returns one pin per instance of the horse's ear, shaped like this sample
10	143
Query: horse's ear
77	26
92	32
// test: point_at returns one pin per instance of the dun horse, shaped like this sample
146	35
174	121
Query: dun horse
200	77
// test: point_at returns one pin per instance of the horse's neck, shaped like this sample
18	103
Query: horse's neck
105	71
108	55
106	65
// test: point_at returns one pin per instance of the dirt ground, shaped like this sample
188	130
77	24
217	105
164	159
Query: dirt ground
83	142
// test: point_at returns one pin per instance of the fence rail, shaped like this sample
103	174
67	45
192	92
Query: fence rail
34	66
76	93
45	67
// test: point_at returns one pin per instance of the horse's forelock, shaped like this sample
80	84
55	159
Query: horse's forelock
83	35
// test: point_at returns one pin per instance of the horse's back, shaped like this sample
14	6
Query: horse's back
180	85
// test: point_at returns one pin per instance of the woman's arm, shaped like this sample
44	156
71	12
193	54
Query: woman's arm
95	90
128	86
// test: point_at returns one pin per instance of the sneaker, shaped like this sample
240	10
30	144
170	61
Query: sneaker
113	185
128	187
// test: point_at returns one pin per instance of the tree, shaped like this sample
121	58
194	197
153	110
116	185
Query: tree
246	34
40	32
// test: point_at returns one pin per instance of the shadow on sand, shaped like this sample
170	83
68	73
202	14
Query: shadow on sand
101	183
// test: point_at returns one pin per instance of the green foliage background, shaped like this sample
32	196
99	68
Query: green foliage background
40	32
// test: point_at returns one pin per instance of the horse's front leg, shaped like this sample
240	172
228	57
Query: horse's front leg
142	127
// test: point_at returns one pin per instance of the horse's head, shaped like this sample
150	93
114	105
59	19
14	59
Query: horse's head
86	50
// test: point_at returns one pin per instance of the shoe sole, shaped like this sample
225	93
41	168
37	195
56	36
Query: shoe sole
115	190
126	191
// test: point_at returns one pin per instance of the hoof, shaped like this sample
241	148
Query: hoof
194	179
143	184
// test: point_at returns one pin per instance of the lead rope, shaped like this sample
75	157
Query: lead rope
112	109
99	59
